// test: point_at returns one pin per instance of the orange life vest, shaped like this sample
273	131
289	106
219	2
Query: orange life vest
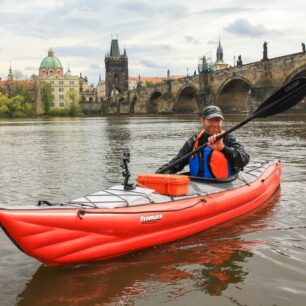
208	163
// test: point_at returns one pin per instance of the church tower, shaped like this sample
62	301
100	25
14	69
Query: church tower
10	75
219	53
219	64
116	71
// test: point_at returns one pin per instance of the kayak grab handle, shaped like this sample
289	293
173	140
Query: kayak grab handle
82	212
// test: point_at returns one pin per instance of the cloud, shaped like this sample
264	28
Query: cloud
157	34
80	51
30	68
212	42
95	67
166	47
150	63
191	39
242	26
153	9
136	6
224	10
154	48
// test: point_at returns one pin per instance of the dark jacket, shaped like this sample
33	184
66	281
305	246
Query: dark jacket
233	151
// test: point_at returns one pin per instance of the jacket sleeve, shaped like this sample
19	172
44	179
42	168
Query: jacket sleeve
235	152
187	147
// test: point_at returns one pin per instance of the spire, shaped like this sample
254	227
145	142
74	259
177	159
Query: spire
219	53
10	75
114	49
219	64
68	72
124	53
99	77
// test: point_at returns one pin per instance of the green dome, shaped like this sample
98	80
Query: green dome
51	61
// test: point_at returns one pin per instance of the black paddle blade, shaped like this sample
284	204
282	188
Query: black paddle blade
283	99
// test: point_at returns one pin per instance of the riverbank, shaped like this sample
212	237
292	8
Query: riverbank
174	115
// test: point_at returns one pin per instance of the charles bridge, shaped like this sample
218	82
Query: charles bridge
237	89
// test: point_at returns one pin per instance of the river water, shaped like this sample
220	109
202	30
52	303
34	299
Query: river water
256	259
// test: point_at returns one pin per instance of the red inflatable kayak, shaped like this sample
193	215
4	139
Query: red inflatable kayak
114	222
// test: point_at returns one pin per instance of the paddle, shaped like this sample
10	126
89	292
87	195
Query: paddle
280	101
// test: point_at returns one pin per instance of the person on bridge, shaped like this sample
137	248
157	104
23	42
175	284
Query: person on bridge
220	159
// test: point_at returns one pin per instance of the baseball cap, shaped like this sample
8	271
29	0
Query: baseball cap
212	111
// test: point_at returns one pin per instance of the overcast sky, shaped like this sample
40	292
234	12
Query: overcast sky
157	34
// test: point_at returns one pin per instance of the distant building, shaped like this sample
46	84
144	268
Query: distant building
219	64
101	90
9	86
116	71
89	93
51	70
147	81
205	64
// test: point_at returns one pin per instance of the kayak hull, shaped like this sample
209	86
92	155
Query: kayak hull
70	235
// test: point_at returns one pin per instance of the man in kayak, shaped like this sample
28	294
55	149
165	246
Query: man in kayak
220	159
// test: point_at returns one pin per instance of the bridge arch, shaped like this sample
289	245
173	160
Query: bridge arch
232	95
300	71
132	104
186	100
153	102
115	92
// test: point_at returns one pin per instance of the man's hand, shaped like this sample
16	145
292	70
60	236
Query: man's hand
161	170
215	145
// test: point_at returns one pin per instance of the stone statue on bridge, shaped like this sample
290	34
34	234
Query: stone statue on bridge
265	51
239	61
303	47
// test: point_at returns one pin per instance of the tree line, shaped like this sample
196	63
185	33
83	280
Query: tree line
21	103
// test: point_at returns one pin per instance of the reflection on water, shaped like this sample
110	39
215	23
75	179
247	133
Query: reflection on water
257	259
118	140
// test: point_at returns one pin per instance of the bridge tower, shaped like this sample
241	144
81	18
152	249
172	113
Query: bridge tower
116	71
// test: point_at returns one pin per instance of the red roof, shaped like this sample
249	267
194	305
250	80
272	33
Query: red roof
155	80
27	83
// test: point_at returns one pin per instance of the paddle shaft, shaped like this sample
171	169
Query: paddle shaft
273	105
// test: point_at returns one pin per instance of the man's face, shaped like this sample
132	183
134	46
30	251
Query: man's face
212	126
